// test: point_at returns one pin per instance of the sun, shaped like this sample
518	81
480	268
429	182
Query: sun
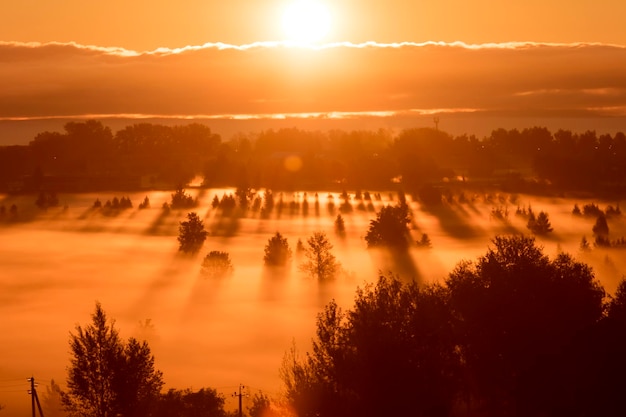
306	21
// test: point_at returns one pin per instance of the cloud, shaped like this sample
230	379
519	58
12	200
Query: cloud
268	78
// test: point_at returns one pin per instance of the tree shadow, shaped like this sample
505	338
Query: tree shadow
397	262
224	226
451	222
273	282
155	227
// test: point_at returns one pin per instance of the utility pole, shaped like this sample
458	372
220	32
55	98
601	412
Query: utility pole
34	398
436	120
240	394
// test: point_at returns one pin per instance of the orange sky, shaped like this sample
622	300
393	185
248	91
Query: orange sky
71	58
144	25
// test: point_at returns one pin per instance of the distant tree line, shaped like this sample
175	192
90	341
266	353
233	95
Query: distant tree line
88	156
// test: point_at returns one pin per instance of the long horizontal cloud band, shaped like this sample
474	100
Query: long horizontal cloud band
49	80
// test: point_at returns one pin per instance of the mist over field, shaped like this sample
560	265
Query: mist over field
206	332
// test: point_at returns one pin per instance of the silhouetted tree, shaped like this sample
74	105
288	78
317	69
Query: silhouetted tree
539	225
191	234
517	311
106	376
584	244
217	264
320	262
601	227
396	343
424	242
52	400
340	226
145	203
180	199
262	406
189	403
277	251
390	228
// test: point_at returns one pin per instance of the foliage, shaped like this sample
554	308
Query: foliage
320	263
539	225
145	203
262	406
217	264
189	403
277	251
516	308
108	377
181	200
592	210
424	242
191	234
340	226
244	195
584	244
396	342
52	400
390	228
601	227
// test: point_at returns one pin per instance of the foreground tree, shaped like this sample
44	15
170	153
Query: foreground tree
517	313
191	234
396	343
277	251
108	377
320	263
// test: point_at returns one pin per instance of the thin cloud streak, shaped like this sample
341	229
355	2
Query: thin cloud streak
119	51
289	80
260	116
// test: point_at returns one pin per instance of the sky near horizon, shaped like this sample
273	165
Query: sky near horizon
71	58
148	25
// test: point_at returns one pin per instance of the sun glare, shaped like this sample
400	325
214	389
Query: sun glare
306	21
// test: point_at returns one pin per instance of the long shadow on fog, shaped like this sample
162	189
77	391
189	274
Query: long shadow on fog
398	263
273	283
157	223
225	226
204	291
166	283
451	222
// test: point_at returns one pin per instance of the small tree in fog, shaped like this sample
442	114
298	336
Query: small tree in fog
191	234
390	228
539	225
320	262
277	251
340	226
217	264
601	227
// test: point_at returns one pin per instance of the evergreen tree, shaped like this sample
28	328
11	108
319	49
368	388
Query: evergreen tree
340	226
277	251
191	234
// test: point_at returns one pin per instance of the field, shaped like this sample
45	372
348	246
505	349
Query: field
55	264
